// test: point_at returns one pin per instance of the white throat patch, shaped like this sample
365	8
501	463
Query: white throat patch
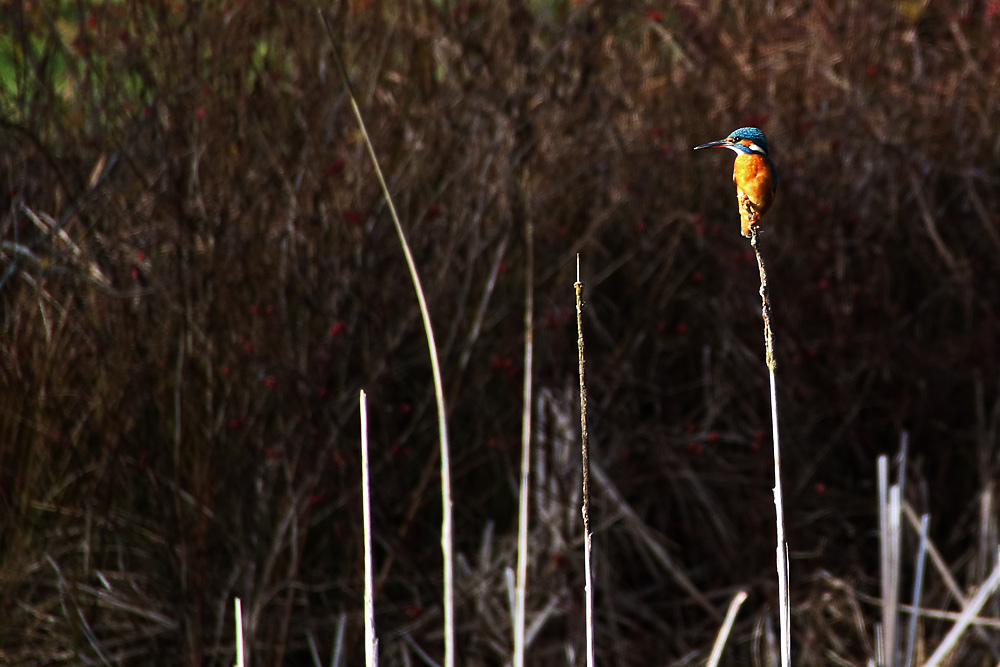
740	148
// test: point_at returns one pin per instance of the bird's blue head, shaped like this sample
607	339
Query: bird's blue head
752	134
755	140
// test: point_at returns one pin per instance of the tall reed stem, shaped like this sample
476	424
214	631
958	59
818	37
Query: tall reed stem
521	586
781	551
447	549
371	644
585	456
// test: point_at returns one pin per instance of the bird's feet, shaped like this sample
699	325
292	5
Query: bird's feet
748	215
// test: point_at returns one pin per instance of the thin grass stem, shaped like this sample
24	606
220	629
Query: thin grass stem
966	617
447	549
371	643
781	550
522	521
585	457
337	652
240	660
889	533
727	626
918	583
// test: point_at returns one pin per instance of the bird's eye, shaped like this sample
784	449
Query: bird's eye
731	140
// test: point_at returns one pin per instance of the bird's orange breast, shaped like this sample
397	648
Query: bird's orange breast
754	179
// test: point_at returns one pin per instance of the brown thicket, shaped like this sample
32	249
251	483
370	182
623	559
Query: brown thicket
199	274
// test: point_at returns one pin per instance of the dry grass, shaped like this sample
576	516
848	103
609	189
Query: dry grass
199	275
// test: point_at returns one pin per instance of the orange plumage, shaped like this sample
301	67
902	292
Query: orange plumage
754	188
753	173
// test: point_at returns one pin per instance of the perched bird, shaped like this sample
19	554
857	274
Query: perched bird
753	173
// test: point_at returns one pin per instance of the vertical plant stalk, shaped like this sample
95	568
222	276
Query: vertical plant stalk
889	550
521	585
446	509
337	652
918	584
240	660
585	457
781	551
371	644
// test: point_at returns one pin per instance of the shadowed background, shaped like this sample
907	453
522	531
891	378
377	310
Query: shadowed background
199	274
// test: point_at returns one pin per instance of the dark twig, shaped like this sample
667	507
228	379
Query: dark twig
588	588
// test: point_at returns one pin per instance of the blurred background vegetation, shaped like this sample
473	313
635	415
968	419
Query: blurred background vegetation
199	274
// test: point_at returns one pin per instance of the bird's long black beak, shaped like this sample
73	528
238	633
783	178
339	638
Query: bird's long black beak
713	144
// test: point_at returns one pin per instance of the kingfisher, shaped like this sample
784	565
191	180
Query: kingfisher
753	173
